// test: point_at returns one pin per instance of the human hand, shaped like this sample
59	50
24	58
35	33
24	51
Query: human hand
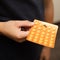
12	29
45	55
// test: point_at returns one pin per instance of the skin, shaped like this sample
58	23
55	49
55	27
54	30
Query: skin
49	13
12	29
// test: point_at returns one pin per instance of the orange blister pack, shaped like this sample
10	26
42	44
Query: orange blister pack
43	33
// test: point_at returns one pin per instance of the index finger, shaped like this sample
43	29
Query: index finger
25	23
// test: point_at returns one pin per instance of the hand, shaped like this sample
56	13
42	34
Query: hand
45	55
12	29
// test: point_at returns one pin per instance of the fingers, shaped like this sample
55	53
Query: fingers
24	34
20	37
24	23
